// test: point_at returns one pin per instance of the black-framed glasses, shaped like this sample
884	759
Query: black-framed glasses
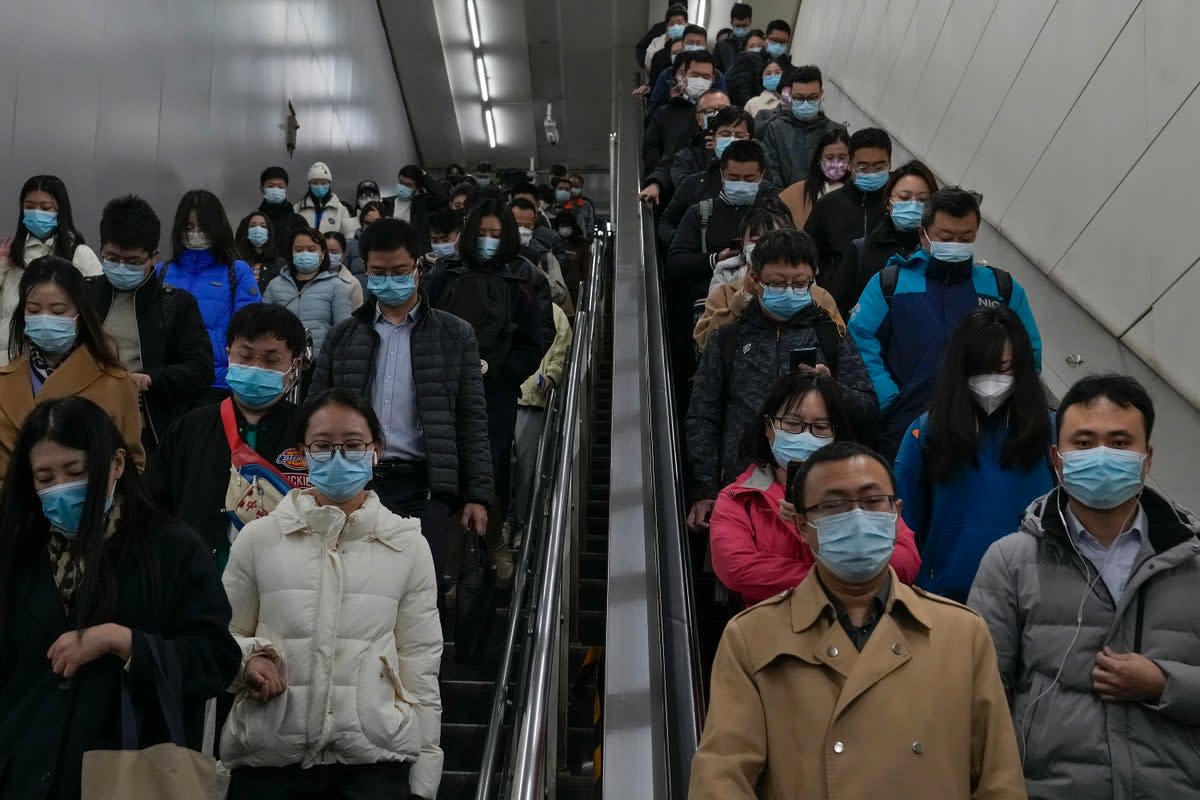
129	262
873	502
822	428
322	451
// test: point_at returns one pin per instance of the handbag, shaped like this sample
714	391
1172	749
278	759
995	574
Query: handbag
255	487
165	771
476	604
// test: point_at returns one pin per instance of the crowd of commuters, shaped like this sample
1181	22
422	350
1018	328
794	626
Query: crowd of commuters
869	445
245	465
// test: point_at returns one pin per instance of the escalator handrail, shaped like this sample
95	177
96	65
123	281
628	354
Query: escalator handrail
532	742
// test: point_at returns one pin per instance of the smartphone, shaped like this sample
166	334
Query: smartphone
792	468
803	356
735	244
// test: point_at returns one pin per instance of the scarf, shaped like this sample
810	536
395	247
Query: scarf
68	571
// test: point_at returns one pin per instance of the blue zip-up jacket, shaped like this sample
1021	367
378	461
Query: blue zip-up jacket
198	272
956	520
902	342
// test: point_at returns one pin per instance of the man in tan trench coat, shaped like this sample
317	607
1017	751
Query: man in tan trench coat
853	685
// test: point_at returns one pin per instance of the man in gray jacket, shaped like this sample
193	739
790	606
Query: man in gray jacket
791	140
420	369
1092	606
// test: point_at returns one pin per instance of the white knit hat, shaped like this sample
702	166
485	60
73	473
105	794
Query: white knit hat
320	172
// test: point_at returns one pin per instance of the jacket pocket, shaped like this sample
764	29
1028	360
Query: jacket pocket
384	709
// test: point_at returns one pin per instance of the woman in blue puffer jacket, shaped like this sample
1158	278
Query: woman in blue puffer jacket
204	262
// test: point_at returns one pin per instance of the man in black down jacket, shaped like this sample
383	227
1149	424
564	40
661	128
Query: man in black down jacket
425	384
423	194
158	329
673	126
743	359
745	79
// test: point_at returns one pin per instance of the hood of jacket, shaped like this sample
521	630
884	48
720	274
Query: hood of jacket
1170	524
331	201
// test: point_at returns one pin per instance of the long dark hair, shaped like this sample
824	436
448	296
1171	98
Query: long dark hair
66	238
976	347
245	250
510	239
79	424
786	392
210	215
816	178
89	329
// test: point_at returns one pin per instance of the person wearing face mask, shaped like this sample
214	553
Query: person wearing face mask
360	684
745	78
672	79
539	253
1092	606
854	684
743	359
59	348
695	40
420	369
582	205
445	228
756	552
347	266
661	35
908	310
254	243
45	226
696	156
829	170
97	586
763	105
485	174
971	464
673	125
740	23
578	252
273	183
190	472
791	140
204	263
321	207
157	329
907	191
850	213
418	194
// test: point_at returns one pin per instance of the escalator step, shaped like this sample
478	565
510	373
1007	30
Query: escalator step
593	594
467	701
592	627
575	787
594	565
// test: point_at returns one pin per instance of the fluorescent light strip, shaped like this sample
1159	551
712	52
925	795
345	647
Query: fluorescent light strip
481	73
491	127
473	21
700	11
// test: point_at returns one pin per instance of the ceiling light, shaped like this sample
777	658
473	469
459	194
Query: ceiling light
491	127
481	73
473	20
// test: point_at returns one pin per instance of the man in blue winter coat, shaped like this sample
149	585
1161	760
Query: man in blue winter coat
908	311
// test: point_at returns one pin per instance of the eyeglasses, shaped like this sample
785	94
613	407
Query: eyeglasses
822	428
812	98
129	262
874	502
866	169
795	286
323	452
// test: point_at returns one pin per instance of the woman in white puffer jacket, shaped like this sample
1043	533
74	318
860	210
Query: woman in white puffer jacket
335	608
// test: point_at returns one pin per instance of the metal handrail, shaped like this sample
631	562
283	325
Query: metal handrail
535	749
536	520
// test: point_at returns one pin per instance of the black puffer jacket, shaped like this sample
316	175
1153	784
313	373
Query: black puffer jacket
732	383
854	274
745	79
837	219
449	387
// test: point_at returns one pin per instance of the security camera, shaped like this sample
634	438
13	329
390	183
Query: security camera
550	125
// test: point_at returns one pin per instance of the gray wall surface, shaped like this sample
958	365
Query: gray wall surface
159	97
1076	120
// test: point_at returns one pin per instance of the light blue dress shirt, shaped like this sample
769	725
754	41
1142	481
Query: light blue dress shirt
394	393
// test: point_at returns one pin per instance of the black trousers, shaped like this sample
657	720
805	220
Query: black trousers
409	496
322	782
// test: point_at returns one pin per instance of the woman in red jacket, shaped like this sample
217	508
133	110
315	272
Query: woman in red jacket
755	552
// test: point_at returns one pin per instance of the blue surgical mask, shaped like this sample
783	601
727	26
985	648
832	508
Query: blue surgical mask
254	386
486	248
50	333
339	478
319	190
856	545
753	49
306	261
63	506
776	49
675	31
693	48
805	110
40	223
576	191
275	194
871	181
444	249
562	195
740	33
257	235
721	143
122	276
403	192
392	290
789	447
483	180
1102	477
906	214
335	261
952	252
786	303
771	82
740	193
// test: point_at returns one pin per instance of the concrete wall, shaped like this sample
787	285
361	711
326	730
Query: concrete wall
118	96
1076	120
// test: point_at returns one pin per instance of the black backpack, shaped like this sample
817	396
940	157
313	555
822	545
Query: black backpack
483	297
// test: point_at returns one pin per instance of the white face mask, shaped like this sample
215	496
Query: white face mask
697	87
526	235
990	390
197	240
566	232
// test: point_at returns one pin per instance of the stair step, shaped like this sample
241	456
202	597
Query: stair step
467	701
591	627
463	745
593	565
593	594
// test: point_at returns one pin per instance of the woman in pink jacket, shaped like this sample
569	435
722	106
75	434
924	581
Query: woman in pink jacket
755	552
